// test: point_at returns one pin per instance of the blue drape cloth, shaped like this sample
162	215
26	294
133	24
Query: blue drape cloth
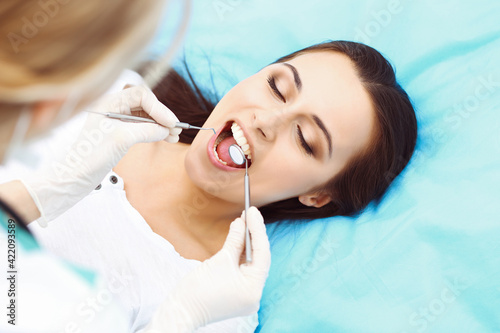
427	259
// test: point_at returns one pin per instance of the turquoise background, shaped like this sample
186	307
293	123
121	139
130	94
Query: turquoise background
427	259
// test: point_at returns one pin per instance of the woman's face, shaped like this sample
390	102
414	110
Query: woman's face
303	120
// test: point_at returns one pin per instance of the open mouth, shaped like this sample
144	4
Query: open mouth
229	135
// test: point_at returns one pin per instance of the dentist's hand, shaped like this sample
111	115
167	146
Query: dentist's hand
99	147
220	287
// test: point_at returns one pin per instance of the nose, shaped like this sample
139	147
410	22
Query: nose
267	123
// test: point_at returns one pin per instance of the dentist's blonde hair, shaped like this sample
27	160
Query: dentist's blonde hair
49	48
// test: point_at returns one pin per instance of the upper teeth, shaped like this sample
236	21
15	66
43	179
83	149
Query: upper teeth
239	136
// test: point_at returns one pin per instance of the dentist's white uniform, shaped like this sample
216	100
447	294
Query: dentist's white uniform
50	294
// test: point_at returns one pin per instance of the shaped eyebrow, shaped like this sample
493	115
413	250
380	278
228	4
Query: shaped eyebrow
296	76
322	127
317	120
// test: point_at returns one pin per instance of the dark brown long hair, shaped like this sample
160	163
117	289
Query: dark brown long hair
367	175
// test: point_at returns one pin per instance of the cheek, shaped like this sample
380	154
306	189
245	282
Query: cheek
246	95
283	176
218	183
280	185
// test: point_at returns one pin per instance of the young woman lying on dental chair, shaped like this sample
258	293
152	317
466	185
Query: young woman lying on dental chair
326	130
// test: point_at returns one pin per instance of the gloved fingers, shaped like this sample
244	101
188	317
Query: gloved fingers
145	132
235	239
175	131
172	138
143	97
261	253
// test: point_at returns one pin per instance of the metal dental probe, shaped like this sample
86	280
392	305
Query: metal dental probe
235	153
124	117
238	157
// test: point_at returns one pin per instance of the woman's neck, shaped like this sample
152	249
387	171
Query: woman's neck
158	186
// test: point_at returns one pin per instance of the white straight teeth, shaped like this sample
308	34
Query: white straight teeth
217	156
239	136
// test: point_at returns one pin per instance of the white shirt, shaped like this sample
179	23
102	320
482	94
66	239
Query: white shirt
46	294
105	233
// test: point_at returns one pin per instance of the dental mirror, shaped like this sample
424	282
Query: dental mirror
237	154
238	157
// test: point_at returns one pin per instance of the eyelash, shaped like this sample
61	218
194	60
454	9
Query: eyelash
272	83
303	142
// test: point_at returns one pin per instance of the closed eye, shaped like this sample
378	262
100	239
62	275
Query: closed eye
272	83
303	142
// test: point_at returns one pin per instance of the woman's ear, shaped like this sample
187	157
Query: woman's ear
317	200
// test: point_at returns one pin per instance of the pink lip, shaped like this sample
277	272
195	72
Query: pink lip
210	149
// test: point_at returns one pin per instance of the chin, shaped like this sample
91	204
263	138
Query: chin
202	175
217	183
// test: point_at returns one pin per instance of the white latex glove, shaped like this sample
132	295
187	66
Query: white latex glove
220	288
100	146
